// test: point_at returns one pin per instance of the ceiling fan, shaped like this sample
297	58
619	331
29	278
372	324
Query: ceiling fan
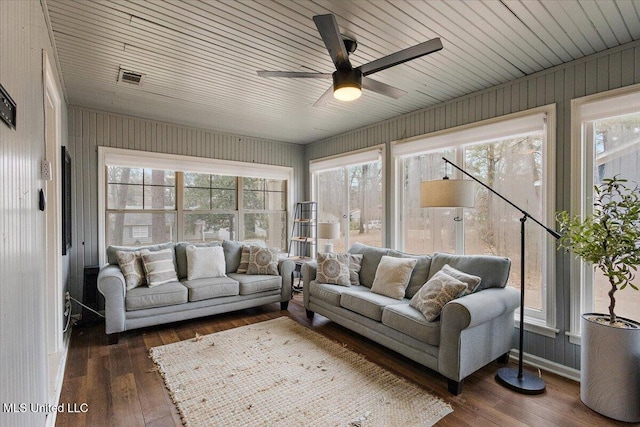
348	81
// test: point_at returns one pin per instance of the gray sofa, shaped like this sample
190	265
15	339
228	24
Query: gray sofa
187	299
471	331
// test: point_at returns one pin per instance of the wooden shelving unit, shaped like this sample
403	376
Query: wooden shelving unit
303	241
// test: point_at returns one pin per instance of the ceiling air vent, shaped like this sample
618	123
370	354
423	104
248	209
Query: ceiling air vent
130	77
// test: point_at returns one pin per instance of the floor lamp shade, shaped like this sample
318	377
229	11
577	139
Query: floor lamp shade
329	231
447	193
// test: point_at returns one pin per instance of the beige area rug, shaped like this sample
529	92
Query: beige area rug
279	373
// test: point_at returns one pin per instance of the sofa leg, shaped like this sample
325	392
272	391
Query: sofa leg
309	314
503	359
455	387
284	305
113	338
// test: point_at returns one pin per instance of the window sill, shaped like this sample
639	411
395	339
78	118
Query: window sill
537	327
574	338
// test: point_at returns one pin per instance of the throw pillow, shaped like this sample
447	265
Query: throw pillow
159	267
262	261
355	264
244	259
333	268
438	291
205	262
392	276
470	280
132	268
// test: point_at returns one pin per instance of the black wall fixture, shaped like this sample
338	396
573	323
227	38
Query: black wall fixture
66	200
8	110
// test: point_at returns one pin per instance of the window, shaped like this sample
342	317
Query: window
349	190
148	198
606	144
512	155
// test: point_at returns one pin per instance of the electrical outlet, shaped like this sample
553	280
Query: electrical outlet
45	168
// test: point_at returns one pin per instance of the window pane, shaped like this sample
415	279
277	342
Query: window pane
129	229
330	195
426	230
365	204
203	227
197	198
513	168
159	177
159	198
125	196
253	183
617	152
121	175
266	227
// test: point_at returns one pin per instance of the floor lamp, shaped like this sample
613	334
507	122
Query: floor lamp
455	193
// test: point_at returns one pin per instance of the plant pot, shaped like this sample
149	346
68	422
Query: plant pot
610	368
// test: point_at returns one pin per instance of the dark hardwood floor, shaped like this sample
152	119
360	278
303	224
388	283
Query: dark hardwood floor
121	387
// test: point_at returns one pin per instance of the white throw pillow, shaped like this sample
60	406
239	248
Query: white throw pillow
433	296
204	262
472	281
392	276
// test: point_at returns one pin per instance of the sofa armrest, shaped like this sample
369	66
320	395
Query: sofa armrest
308	271
475	330
286	268
112	286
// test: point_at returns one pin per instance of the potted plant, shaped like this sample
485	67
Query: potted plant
609	239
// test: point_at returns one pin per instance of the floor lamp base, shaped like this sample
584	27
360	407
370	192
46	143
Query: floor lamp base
527	384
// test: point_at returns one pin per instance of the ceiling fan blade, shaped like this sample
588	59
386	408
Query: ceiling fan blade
405	55
294	74
330	33
382	88
325	98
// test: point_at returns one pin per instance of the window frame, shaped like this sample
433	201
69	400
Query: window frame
586	110
181	163
543	322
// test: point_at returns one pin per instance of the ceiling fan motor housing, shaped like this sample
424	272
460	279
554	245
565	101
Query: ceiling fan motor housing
347	78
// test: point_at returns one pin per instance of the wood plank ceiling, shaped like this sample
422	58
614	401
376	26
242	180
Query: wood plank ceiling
199	58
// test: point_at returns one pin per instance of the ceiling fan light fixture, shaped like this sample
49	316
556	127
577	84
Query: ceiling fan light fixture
347	84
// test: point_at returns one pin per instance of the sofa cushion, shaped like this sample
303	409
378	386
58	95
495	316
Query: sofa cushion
371	256
159	266
420	273
438	291
355	264
212	287
493	270
406	319
159	296
254	283
112	258
333	268
367	303
263	261
392	276
205	262
232	255
330	293
181	256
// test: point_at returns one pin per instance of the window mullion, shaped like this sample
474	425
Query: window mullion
179	206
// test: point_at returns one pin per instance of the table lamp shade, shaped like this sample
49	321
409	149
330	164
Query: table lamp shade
329	230
447	193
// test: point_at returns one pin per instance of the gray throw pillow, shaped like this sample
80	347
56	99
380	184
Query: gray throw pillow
355	264
205	262
333	269
433	296
159	267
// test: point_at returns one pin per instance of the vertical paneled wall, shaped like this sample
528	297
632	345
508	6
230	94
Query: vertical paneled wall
607	70
23	348
89	129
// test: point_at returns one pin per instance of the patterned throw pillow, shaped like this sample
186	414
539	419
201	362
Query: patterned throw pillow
205	262
392	276
433	296
262	261
333	268
355	264
472	281
159	267
244	259
132	268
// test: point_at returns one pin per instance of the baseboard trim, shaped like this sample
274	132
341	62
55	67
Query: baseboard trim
547	365
51	416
